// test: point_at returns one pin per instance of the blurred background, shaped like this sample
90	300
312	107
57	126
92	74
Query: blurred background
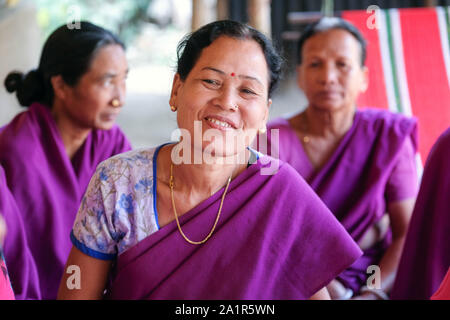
151	30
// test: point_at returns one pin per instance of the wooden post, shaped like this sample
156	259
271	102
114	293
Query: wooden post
222	9
430	3
259	15
199	14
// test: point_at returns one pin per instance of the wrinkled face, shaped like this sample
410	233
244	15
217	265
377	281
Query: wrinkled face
331	75
226	90
90	102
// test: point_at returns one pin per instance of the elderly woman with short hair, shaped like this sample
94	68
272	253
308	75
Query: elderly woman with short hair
361	163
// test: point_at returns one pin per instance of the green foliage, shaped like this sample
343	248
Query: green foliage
119	16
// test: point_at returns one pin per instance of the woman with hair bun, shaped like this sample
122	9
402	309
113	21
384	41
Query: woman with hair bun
361	162
50	151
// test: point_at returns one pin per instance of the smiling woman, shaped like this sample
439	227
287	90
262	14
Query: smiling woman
50	151
208	230
360	162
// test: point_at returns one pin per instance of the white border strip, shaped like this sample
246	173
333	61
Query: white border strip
386	61
444	38
419	167
400	62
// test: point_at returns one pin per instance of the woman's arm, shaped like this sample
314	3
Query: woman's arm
92	273
322	294
399	214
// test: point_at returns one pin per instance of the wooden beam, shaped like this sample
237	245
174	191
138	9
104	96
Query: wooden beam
199	14
259	15
222	9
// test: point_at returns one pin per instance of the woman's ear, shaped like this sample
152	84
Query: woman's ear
59	87
177	83
266	116
299	70
365	79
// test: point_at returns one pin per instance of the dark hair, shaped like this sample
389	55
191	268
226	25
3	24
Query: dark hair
190	48
330	23
67	52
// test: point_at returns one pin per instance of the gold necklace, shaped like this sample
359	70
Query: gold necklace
171	183
305	138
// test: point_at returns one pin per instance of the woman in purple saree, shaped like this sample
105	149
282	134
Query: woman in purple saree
426	256
208	217
6	292
360	163
26	281
50	151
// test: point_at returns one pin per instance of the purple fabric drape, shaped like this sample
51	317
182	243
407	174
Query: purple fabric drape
275	240
426	254
16	235
47	187
353	181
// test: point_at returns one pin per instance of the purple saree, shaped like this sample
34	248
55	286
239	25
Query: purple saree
426	254
22	256
275	240
48	187
354	183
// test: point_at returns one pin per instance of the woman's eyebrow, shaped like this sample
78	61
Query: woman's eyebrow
214	69
110	74
240	76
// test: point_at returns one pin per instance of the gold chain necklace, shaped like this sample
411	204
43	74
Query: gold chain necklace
306	138
171	183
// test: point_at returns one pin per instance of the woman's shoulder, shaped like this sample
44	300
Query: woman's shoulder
130	160
373	116
441	149
20	131
278	123
378	120
443	142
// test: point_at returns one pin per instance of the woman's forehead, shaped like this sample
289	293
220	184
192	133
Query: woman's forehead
335	41
234	56
110	58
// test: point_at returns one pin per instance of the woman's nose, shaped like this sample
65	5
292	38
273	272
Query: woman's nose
120	92
227	100
328	74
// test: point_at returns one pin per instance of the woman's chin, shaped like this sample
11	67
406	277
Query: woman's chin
223	155
105	125
328	107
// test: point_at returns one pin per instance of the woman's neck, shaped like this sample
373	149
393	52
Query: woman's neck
72	135
323	123
203	178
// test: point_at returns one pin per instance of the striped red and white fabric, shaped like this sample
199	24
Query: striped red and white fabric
409	66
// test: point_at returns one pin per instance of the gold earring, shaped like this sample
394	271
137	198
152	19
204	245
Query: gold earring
173	108
263	130
115	103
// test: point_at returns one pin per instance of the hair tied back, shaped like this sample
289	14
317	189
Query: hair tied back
13	81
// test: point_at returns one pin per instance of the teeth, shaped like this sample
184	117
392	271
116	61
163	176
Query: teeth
220	123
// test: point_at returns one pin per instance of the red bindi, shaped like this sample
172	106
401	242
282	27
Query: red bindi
232	74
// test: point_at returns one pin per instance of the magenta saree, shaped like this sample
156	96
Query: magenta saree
48	187
354	183
275	240
426	254
27	274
